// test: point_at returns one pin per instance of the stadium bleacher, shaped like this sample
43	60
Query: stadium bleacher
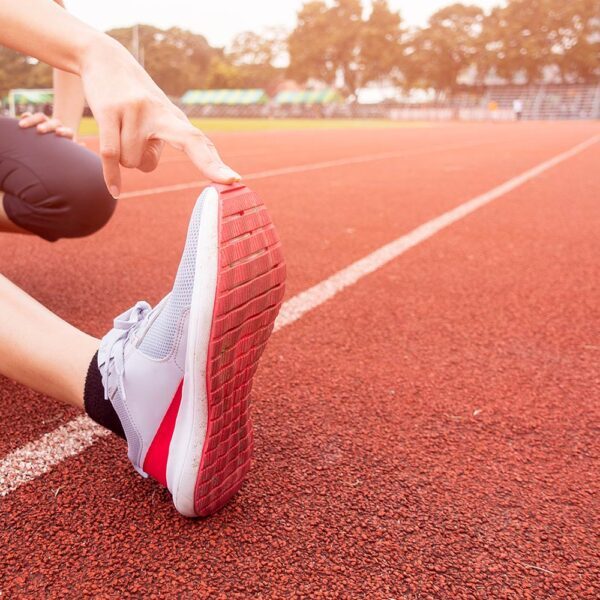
551	101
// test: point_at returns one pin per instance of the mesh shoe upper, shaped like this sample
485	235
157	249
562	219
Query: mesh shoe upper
158	342
142	359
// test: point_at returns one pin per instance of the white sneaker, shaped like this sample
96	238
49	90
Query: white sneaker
179	376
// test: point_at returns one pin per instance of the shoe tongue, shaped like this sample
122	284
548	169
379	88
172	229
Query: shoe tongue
151	317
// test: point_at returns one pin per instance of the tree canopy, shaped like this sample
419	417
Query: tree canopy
335	41
524	40
340	43
446	47
528	36
18	71
176	59
251	61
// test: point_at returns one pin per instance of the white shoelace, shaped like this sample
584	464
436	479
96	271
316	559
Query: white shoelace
115	342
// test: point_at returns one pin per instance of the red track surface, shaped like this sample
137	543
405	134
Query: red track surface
429	432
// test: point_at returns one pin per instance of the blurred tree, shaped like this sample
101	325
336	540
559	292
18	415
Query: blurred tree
310	45
445	48
222	74
19	71
336	40
254	57
267	48
580	42
333	40
380	51
345	34
527	36
176	59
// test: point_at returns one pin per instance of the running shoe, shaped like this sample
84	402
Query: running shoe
180	375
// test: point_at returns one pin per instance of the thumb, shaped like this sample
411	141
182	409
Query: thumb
110	153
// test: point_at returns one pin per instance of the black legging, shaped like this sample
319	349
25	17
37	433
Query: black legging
52	186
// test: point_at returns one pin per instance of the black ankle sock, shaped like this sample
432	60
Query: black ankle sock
97	408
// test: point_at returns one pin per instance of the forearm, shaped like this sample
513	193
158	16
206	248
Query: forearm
68	99
68	96
42	29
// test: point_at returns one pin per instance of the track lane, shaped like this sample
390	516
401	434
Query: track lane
436	439
39	456
349	229
254	151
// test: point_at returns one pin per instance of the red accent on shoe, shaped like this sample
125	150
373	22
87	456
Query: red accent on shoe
158	453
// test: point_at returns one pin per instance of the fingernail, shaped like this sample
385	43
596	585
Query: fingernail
229	174
114	191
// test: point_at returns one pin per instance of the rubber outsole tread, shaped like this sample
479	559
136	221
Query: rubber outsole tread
242	347
244	224
248	327
244	246
242	358
254	307
240	274
250	289
245	201
244	293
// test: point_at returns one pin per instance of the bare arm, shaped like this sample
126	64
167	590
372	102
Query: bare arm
68	99
68	96
42	29
134	116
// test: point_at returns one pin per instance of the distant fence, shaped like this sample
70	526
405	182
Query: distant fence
422	114
485	114
347	111
492	104
450	114
495	103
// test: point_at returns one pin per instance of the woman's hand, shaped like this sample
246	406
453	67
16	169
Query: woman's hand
136	118
45	124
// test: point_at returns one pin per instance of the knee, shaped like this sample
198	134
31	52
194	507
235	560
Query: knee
54	188
87	211
73	213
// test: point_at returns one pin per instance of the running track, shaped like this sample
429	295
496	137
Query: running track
428	432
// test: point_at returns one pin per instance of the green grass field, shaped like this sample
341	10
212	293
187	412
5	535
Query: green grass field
90	127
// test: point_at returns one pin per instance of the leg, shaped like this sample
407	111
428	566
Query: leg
6	225
40	350
52	187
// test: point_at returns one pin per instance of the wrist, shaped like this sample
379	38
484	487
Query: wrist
95	46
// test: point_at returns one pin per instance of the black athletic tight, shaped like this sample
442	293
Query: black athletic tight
52	186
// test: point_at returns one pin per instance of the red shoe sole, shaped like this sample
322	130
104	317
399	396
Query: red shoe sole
250	289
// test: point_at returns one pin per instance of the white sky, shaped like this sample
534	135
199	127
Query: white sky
221	20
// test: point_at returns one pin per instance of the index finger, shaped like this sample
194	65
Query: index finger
201	151
204	155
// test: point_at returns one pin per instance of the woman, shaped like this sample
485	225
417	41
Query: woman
173	380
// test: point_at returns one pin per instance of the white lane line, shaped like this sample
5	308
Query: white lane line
328	164
40	456
305	301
